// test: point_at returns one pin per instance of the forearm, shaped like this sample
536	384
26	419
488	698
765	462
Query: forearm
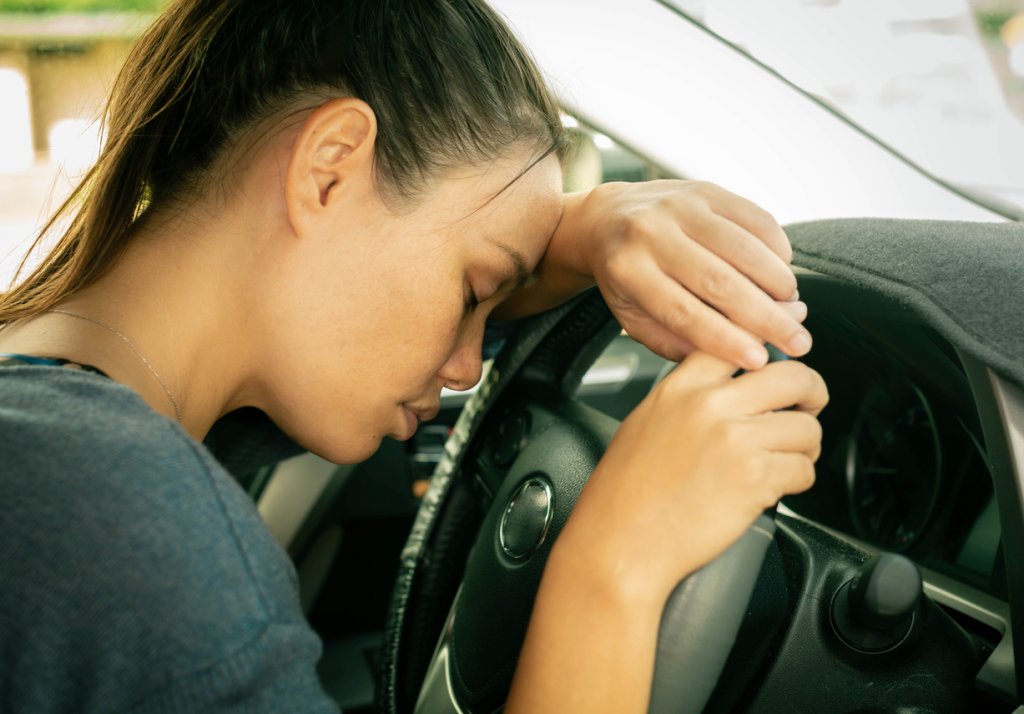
590	645
562	273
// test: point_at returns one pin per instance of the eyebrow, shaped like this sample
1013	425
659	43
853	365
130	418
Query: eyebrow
522	275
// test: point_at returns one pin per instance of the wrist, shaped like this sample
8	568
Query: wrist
600	572
570	248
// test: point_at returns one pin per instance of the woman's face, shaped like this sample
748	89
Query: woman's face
386	309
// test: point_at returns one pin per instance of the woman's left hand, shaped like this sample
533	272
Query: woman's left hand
682	265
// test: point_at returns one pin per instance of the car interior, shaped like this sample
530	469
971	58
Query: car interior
888	587
888	581
899	602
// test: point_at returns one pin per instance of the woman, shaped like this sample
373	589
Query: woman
312	208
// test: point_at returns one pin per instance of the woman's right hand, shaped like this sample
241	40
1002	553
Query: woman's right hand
690	469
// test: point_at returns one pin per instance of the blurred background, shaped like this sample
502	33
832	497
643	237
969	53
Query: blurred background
942	81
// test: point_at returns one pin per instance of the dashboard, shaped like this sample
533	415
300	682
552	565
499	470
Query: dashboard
904	466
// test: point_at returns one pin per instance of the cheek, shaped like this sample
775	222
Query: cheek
423	326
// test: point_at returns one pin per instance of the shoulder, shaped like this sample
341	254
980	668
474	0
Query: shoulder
127	551
88	450
51	418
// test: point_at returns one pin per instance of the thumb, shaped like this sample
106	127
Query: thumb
702	369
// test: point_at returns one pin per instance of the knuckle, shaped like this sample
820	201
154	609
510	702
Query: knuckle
776	321
675	391
822	389
800	475
784	370
668	200
716	285
769	498
637	226
816	431
679	317
784	285
808	475
807	427
729	435
810	380
755	468
705	188
711	402
741	249
762	222
805	379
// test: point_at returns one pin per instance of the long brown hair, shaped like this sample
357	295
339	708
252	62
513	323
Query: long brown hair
449	83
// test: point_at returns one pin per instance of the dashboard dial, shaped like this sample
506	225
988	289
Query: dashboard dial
893	467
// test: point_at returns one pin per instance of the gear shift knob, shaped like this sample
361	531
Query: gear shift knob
874	611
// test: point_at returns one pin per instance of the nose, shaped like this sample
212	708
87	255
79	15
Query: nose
463	367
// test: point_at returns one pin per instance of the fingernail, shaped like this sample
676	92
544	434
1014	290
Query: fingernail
794	296
755	358
801	343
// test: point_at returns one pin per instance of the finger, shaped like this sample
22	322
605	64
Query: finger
787	431
794	308
744	251
659	340
788	473
678	311
780	385
755	219
699	369
727	290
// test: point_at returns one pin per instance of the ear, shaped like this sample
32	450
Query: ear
331	160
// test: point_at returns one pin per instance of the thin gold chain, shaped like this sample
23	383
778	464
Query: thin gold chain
124	338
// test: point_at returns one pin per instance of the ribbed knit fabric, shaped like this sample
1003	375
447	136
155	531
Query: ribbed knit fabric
135	575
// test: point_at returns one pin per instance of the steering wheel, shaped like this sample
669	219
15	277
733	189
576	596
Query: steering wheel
519	455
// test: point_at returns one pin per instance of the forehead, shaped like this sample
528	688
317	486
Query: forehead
514	203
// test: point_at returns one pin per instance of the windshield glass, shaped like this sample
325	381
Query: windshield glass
941	81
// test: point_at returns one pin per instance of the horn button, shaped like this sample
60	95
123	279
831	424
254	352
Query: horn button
527	518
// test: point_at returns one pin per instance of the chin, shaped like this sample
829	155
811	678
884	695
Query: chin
345	449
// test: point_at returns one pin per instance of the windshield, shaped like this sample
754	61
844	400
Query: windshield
941	81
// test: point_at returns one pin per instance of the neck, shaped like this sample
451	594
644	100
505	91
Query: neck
180	299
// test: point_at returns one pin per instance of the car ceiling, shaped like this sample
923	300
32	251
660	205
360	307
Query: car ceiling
639	72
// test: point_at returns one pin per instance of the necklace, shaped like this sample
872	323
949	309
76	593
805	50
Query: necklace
124	338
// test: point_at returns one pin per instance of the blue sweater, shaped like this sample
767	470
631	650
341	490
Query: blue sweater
135	574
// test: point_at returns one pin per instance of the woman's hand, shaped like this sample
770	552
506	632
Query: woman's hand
686	474
693	466
682	264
